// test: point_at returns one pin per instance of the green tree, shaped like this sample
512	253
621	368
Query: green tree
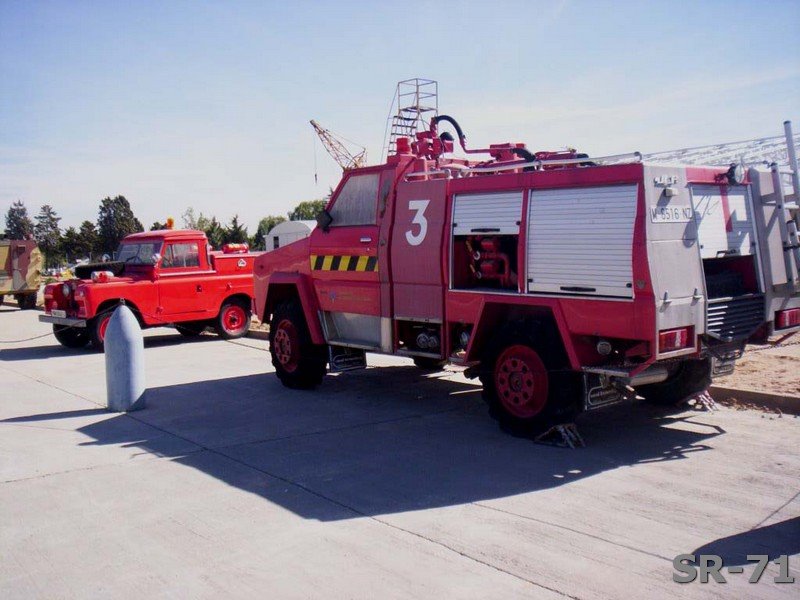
115	220
71	245
189	219
157	225
307	210
18	225
89	241
265	225
48	234
235	233
215	233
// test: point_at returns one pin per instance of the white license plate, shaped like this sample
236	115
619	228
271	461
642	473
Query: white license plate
62	314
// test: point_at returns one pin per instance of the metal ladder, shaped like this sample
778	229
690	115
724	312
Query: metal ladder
790	238
417	100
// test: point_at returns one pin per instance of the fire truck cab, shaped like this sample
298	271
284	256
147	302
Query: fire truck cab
565	283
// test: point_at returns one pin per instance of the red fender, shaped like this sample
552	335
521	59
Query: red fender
283	286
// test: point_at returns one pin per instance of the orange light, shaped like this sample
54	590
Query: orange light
170	223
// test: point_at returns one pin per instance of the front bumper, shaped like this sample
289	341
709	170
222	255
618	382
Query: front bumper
67	321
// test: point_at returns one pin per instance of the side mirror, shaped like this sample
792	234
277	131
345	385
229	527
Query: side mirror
324	220
105	258
156	258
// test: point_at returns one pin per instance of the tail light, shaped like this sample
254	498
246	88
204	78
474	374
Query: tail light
787	318
675	339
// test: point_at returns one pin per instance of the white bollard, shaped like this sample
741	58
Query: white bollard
124	346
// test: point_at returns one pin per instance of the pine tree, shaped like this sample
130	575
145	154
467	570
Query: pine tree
235	233
18	224
48	234
115	220
70	244
215	233
89	242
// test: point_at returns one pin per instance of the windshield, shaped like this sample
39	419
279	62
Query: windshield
138	254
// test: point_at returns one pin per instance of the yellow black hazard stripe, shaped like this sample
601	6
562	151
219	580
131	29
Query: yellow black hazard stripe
337	262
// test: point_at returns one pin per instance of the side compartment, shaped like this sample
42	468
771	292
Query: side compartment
580	240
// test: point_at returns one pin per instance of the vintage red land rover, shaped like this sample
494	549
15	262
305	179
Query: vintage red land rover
166	277
564	282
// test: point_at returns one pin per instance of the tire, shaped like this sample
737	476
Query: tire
690	377
299	363
96	328
233	320
26	301
71	337
525	383
191	329
429	364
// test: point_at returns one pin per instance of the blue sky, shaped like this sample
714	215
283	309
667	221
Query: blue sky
206	104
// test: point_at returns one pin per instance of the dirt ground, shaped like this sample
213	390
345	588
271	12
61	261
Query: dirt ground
775	370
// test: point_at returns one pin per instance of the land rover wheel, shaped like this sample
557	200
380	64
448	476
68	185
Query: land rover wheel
298	362
687	378
526	390
233	320
191	328
71	337
97	329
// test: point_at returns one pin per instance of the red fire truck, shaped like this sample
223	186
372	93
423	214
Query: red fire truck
166	277
565	283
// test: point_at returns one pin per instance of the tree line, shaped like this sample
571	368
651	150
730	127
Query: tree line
115	220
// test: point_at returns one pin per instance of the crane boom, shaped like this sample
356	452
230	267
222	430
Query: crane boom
338	151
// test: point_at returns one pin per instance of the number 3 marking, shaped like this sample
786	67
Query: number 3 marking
418	206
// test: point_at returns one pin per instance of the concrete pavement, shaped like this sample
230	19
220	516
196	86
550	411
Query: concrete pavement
384	483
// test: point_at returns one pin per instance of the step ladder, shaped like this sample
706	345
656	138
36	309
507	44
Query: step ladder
416	101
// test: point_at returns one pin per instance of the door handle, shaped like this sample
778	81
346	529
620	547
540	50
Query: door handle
365	240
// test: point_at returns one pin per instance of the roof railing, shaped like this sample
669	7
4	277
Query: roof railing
630	157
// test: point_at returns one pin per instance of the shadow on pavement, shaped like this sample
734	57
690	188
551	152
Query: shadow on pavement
385	440
59	351
773	540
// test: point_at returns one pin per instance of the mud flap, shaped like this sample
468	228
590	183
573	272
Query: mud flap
341	358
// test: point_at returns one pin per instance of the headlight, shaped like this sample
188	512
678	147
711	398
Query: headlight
66	290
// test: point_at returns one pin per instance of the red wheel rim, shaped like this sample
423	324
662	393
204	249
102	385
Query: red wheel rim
101	331
520	378
234	319
286	344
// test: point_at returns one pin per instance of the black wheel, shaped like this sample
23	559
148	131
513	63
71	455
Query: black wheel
298	362
525	381
26	301
689	377
97	329
429	364
191	328
71	337
233	320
